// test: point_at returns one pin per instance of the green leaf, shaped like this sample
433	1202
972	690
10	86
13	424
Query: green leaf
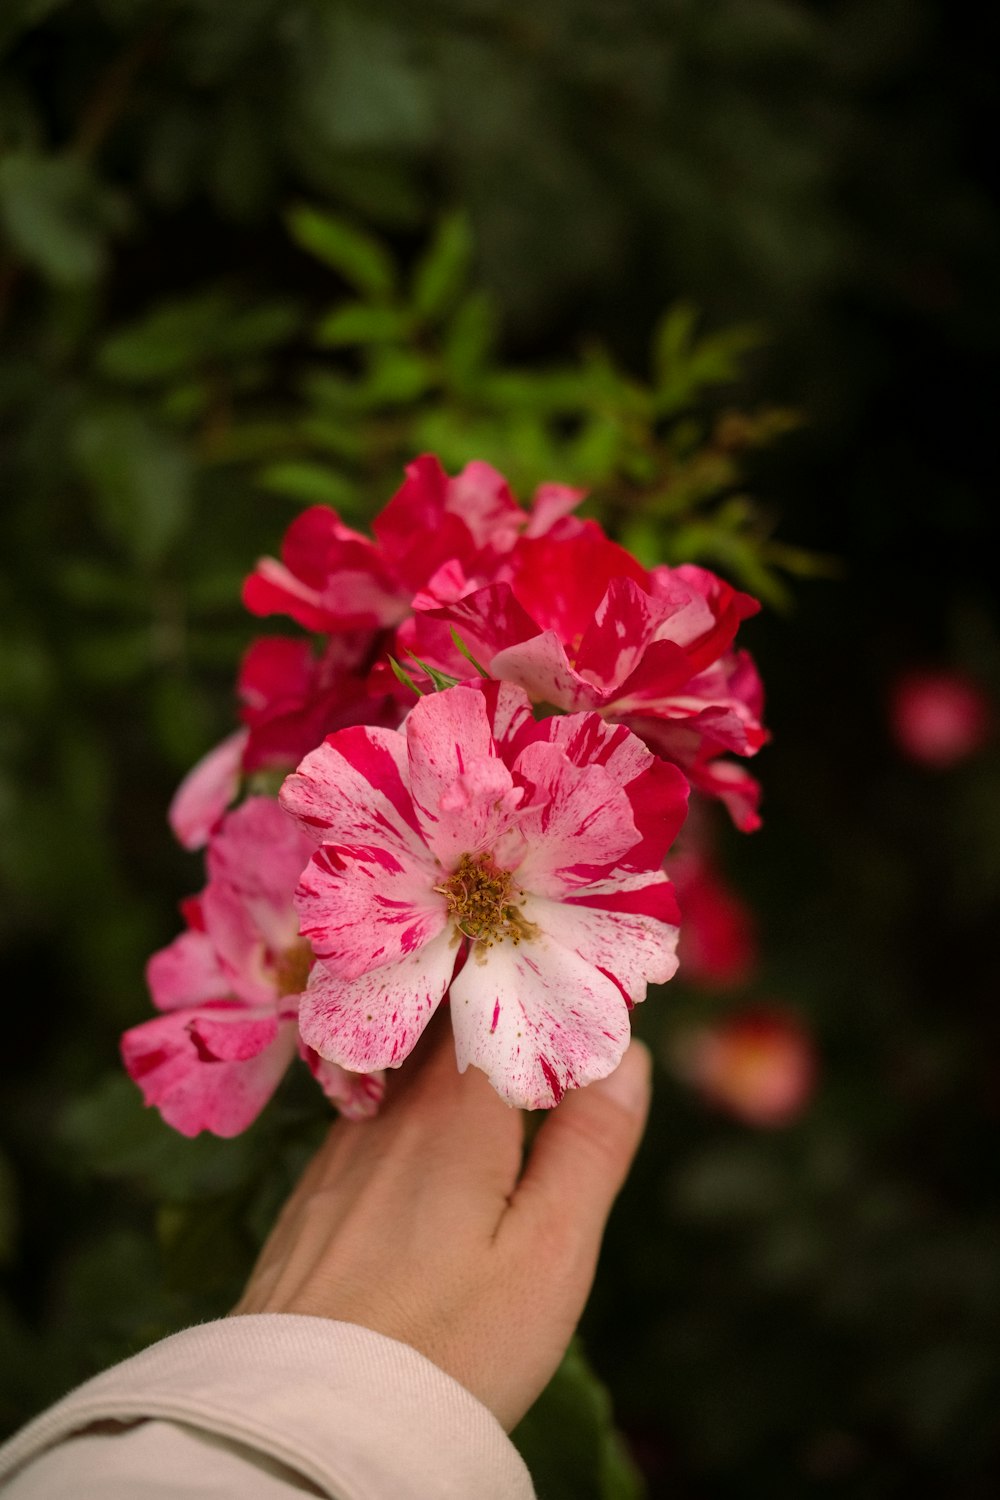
569	1441
171	339
404	677
111	1133
461	646
470	337
440	680
397	377
56	216
442	273
140	478
314	484
363	323
354	254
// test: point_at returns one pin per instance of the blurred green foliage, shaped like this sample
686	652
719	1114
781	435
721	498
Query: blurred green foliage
256	257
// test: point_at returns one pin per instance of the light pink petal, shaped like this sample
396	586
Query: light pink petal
186	973
542	668
538	1019
356	1095
626	927
685	613
576	821
209	1069
206	791
254	862
464	796
481	496
375	1021
361	908
551	503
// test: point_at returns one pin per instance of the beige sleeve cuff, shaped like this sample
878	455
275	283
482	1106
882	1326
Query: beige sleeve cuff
360	1416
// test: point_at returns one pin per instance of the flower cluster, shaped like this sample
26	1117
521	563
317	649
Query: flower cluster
498	843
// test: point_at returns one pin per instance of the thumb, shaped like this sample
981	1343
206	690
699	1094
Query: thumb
585	1148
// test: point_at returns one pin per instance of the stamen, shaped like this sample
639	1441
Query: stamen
484	901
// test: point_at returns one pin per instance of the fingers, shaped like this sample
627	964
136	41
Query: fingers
439	1130
583	1152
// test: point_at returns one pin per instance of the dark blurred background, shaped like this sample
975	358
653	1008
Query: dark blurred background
257	256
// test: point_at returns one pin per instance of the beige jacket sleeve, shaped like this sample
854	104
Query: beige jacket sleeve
267	1407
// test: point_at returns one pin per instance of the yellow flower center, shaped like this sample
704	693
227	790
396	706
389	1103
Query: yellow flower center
291	968
484	901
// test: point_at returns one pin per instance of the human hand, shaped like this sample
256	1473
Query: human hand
424	1225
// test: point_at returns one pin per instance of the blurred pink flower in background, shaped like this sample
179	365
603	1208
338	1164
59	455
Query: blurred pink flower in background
718	941
759	1065
939	717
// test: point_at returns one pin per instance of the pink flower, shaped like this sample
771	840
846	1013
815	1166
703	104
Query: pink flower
511	863
581	625
718	942
290	700
759	1066
939	718
229	988
331	578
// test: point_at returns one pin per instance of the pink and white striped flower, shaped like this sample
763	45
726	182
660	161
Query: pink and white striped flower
229	988
513	865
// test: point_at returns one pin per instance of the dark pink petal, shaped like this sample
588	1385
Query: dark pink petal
206	791
718	946
417	531
330	578
489	620
736	789
649	894
561	583
361	909
537	1019
208	1069
375	1021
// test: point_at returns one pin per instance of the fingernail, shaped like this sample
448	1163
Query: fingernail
628	1085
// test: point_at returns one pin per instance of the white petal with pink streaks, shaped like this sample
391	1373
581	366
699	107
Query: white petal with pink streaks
362	908
463	794
375	1021
633	948
577	821
537	1019
355	792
